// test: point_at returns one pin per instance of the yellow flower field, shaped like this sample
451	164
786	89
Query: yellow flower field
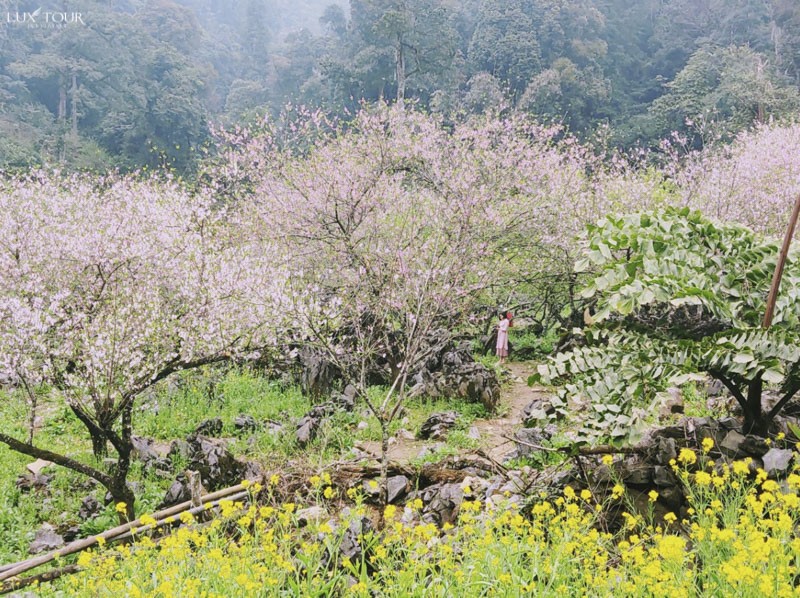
737	537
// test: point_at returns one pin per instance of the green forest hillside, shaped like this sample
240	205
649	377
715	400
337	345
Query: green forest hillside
134	83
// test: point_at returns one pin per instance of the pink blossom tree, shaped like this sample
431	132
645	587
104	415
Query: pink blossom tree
107	288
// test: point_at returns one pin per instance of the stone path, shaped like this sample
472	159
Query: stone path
515	396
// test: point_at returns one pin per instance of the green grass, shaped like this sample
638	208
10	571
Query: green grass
173	410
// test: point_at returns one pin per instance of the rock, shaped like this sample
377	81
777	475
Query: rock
525	437
310	423
244	423
179	450
398	487
671	402
663	476
217	466
634	472
737	445
311	515
776	461
442	502
437	425
90	507
46	539
537	411
404	434
671	496
177	493
665	449
353	544
273	427
430	450
209	427
451	372
28	481
474	433
362	425
317	373
37	466
71	533
714	388
143	449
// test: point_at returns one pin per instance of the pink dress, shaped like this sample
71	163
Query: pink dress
502	338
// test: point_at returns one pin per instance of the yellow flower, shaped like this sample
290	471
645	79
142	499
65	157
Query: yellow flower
586	494
687	457
147	520
121	507
702	478
653	496
608	460
389	512
101	541
708	444
274	479
670	518
329	493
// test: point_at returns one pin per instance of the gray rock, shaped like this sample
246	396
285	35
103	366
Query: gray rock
525	437
737	445
46	539
635	473
437	425
311	515
776	461
398	487
714	388
243	423
353	544
217	466
665	449
732	443
209	427
536	411
90	507
442	502
663	476
474	433
671	403
143	449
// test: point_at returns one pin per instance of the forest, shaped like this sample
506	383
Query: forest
139	83
400	298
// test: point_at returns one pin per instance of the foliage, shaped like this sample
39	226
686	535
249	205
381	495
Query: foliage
676	295
736	537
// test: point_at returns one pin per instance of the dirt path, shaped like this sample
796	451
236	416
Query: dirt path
515	396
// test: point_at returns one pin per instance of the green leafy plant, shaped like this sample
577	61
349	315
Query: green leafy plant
676	297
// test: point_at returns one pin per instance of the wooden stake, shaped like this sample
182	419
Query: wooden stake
776	278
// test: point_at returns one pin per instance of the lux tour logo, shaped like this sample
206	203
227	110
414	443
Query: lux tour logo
44	19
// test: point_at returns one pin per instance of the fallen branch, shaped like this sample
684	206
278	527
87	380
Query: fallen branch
584	451
17	584
14	569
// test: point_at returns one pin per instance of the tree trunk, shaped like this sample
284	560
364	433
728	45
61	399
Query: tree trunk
74	115
755	420
400	70
62	98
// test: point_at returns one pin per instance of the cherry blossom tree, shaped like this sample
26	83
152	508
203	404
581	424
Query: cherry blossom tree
108	287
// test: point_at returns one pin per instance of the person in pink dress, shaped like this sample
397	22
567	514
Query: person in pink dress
502	337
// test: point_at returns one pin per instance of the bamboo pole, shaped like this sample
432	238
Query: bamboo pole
776	278
14	569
